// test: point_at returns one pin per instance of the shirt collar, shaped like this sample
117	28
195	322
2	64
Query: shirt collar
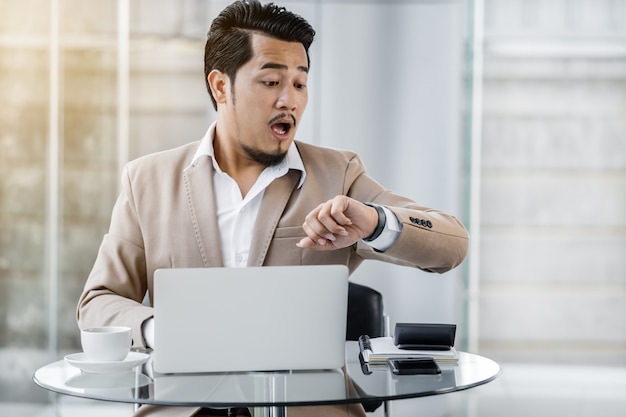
292	159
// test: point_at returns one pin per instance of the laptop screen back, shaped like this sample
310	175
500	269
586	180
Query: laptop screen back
250	319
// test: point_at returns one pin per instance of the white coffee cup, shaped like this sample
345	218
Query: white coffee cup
106	344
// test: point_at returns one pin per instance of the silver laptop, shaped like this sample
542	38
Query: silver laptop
250	319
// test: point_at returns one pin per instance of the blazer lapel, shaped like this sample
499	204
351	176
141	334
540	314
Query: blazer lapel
203	211
275	199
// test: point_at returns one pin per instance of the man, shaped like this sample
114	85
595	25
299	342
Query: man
248	194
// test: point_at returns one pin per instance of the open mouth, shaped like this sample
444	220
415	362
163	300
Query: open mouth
281	128
282	124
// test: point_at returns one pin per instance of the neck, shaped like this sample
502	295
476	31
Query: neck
234	162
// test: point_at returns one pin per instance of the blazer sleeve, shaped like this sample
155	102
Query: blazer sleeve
117	284
430	239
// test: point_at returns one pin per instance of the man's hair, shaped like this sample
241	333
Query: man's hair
229	46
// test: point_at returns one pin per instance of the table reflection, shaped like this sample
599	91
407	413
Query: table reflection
260	388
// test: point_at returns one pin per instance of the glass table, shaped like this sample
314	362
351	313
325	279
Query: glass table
267	393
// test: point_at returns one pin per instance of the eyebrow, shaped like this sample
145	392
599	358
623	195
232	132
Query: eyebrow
273	65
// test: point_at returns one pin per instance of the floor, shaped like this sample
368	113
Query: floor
520	391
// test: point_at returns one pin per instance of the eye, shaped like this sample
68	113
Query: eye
300	86
270	83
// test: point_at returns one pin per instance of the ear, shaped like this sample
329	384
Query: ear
219	84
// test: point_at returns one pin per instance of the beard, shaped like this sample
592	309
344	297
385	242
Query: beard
264	158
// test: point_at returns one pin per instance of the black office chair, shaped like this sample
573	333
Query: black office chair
365	312
365	316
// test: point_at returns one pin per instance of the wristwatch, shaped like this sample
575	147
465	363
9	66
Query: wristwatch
382	220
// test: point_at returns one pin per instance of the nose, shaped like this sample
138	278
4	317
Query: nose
288	99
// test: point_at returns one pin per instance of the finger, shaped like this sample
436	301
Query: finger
308	243
332	218
314	226
316	232
338	208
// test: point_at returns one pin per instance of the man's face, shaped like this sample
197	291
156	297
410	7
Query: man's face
268	99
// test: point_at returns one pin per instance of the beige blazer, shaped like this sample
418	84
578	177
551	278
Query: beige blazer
165	217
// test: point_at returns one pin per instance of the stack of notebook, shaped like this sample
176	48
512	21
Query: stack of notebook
411	340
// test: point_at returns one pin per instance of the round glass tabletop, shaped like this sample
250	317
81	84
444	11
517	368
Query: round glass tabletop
351	384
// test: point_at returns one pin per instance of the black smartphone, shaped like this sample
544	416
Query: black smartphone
414	366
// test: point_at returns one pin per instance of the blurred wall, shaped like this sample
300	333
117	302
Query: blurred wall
553	231
392	80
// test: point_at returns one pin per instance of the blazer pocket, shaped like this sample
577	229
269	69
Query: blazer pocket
283	250
289	232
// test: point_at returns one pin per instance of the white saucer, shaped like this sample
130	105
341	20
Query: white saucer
79	360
